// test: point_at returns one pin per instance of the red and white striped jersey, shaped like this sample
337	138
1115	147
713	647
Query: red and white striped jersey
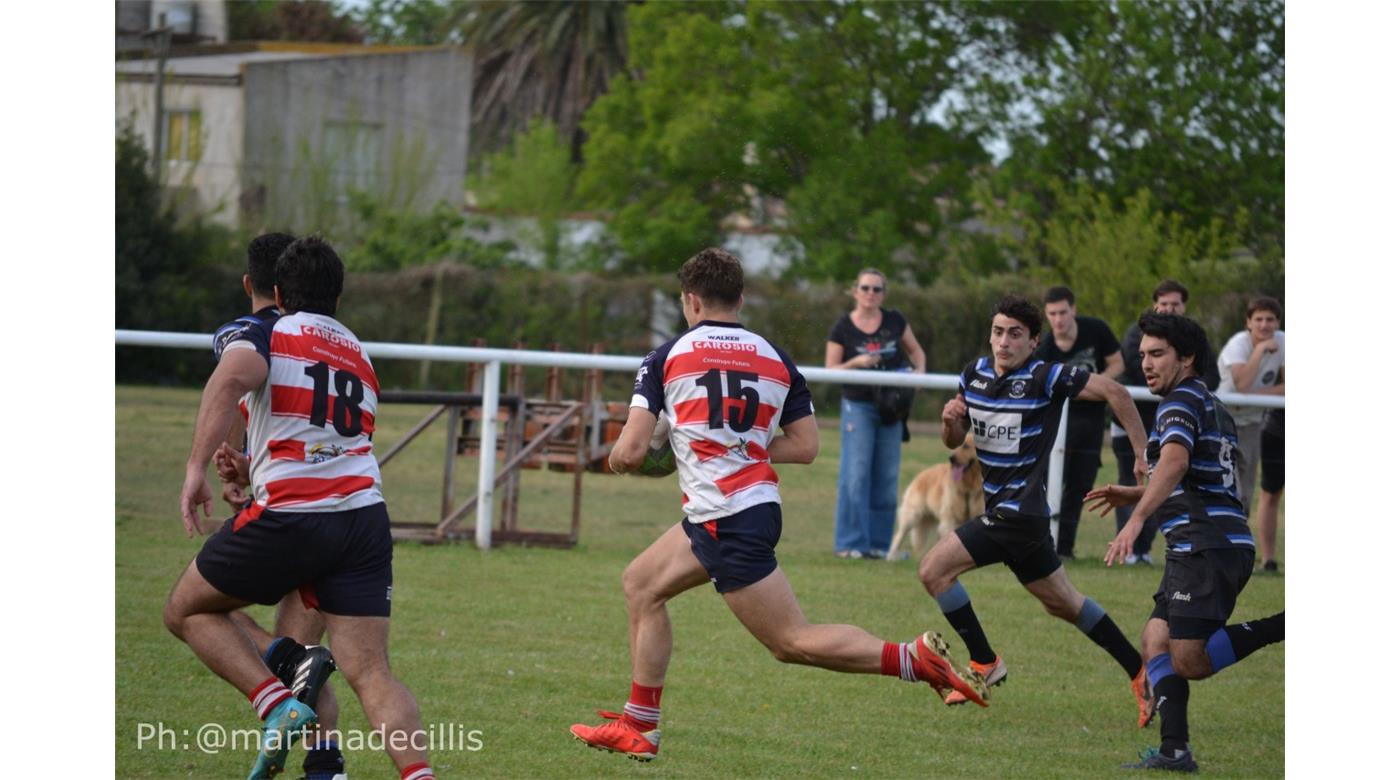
310	424
725	391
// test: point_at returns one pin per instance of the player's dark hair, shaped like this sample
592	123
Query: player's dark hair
1169	286
1183	334
1021	310
310	277
1059	293
1265	303
715	276
263	252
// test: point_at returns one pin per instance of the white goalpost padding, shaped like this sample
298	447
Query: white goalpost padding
492	359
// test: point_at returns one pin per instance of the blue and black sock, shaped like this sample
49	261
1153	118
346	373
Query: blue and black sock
957	608
1098	626
1234	643
1172	693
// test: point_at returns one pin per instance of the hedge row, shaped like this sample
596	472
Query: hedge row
501	307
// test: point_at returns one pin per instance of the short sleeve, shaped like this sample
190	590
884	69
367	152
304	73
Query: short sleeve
799	399
837	334
1236	350
1178	421
648	391
899	323
242	333
1062	381
1108	343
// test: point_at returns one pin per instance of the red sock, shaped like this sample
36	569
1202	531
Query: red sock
418	771
270	693
889	659
643	710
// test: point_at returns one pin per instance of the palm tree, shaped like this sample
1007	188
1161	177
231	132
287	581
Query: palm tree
539	58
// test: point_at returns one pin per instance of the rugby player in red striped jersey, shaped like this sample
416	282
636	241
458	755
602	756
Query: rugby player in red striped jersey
726	391
317	522
293	651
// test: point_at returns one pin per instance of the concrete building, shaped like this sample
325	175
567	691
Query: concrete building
274	135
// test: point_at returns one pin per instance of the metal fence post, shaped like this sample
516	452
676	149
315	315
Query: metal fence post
1054	479
486	473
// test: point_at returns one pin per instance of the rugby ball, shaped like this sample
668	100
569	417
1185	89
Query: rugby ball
660	460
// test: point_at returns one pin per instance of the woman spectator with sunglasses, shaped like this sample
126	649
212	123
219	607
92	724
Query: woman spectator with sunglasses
874	338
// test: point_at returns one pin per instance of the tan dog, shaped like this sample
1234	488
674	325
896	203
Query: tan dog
950	493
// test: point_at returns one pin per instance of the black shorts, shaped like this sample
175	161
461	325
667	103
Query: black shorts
341	562
1199	589
738	550
1270	461
1023	543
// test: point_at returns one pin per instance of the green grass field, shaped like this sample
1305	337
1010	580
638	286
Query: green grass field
520	643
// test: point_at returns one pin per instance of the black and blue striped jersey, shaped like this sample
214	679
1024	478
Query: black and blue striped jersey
261	319
1014	418
1203	510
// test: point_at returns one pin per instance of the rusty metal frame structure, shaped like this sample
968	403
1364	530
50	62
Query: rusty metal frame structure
568	438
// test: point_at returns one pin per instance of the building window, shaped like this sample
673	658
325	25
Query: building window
351	151
184	136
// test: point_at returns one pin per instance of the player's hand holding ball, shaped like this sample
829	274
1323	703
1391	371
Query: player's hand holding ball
660	460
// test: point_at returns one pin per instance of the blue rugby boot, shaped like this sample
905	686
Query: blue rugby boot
1152	758
281	729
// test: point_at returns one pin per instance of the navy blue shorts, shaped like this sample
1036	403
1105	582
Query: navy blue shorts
738	550
1199	589
341	562
1021	542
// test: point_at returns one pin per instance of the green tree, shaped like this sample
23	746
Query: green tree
1111	254
291	20
390	239
828	108
535	177
170	276
1182	99
539	59
405	22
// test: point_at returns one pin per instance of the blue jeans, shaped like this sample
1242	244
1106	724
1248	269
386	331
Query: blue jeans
866	493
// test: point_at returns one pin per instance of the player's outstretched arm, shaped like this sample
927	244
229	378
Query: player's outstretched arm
239	372
1100	388
631	446
1105	498
798	443
1171	467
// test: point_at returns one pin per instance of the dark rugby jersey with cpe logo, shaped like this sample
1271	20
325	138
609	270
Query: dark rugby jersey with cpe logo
1014	419
1203	511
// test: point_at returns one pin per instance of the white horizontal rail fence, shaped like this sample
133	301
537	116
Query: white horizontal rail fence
491	384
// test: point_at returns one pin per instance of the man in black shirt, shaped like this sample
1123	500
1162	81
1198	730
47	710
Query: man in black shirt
1088	343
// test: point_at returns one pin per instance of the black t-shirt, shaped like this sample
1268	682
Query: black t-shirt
885	342
1094	344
